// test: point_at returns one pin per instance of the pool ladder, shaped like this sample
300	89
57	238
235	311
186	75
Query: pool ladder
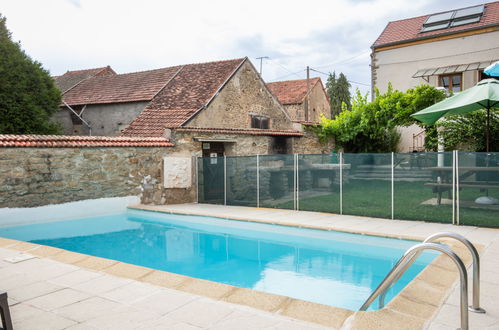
413	253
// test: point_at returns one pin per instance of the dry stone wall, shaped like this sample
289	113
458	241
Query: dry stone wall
309	143
39	176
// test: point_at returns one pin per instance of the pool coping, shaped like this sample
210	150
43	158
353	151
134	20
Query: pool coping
416	304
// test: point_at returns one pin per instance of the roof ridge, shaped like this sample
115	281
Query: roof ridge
282	81
219	61
108	67
179	65
83	70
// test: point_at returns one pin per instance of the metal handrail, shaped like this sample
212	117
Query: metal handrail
407	259
475	307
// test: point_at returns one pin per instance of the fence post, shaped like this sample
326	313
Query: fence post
196	169
341	182
294	181
297	182
225	180
257	180
458	215
393	183
453	186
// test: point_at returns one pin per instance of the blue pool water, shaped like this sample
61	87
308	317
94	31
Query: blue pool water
331	268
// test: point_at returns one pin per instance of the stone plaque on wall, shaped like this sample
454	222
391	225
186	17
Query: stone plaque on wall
177	172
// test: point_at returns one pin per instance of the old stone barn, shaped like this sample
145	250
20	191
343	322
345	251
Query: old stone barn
206	109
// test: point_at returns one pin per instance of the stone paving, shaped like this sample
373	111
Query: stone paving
46	294
58	291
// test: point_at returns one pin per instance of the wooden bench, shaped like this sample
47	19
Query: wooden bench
442	187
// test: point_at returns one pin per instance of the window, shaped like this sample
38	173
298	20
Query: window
453	18
451	82
259	122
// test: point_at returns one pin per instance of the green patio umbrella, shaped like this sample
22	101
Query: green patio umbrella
484	95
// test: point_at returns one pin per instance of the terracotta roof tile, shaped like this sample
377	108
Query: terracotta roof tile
409	29
291	91
187	92
72	78
130	87
247	131
62	141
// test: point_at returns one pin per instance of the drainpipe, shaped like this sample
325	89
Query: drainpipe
80	117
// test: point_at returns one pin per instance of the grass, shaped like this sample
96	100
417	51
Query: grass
373	198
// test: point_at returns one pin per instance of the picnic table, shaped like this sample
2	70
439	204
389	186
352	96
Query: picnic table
445	182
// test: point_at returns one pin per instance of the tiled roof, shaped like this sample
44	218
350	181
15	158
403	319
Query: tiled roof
72	78
291	91
152	122
188	92
62	141
410	29
130	87
246	131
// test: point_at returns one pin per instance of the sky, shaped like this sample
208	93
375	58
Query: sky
131	35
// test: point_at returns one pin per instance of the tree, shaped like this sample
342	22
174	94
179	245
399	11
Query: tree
28	96
466	132
338	90
371	126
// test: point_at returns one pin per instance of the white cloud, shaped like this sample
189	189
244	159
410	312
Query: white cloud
140	35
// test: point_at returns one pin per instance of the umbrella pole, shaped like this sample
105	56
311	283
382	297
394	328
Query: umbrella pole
488	128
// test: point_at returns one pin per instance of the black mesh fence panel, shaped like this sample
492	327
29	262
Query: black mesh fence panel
319	183
367	185
423	186
241	181
277	181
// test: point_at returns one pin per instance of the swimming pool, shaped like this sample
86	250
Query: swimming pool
332	268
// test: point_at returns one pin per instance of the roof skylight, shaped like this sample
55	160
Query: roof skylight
453	18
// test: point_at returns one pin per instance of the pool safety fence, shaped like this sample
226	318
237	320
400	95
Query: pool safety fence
449	187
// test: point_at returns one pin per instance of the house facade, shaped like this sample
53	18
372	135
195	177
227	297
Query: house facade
305	101
447	50
206	109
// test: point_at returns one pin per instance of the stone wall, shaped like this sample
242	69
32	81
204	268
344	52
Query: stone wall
39	176
244	95
296	111
310	144
318	104
188	143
